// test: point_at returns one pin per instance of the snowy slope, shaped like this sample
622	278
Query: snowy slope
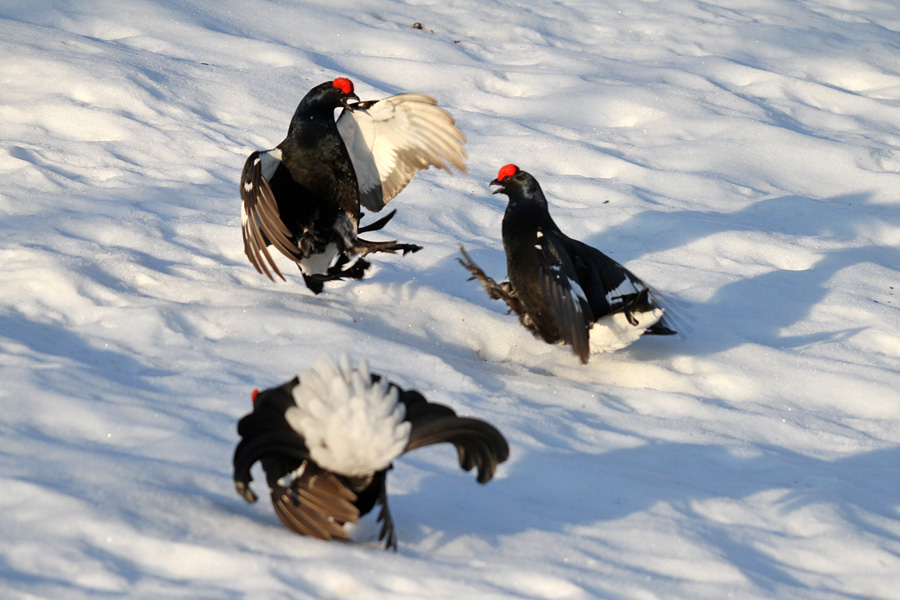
743	156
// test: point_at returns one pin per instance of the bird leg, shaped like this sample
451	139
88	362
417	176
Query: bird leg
357	270
364	247
336	272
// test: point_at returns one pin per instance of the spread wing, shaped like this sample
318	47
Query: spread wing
479	444
307	499
261	223
390	140
315	503
563	293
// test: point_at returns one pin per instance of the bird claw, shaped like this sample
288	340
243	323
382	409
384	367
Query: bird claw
337	272
365	247
245	492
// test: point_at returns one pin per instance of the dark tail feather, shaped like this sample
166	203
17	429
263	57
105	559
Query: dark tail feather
478	444
678	317
379	224
660	329
387	533
647	300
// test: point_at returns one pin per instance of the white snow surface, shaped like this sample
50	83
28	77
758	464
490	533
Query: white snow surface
742	156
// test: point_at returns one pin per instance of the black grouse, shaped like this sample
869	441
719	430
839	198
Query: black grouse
327	438
563	290
303	197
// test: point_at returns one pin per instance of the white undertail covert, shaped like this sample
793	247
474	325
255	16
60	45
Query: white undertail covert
351	425
614	332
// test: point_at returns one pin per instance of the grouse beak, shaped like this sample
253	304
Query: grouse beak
346	101
500	189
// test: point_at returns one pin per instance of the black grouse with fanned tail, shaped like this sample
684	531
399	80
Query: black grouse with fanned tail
327	438
303	197
563	290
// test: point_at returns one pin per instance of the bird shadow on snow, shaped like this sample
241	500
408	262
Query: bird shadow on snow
49	341
757	308
577	494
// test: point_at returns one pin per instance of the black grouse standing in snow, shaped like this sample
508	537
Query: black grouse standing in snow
563	290
327	438
303	197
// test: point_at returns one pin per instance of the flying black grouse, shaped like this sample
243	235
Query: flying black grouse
563	290
303	197
327	438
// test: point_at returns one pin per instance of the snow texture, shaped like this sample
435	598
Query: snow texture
742	156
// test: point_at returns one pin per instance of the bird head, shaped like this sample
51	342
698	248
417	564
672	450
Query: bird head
511	180
345	88
330	95
521	188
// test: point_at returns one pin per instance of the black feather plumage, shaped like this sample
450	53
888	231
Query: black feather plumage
303	197
560	288
318	502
